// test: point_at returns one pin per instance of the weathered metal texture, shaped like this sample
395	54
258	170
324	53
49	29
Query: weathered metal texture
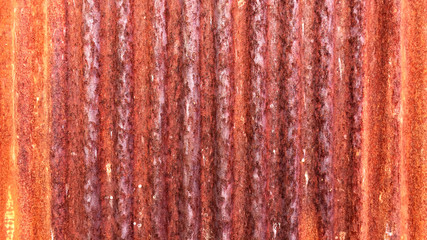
228	119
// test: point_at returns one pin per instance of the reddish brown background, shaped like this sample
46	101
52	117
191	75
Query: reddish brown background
227	119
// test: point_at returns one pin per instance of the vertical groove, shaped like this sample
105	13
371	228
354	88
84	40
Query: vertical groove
380	122
413	51
14	145
342	158
91	16
356	88
108	161
142	68
308	227
58	146
174	94
325	138
76	222
208	113
316	123
142	23
308	216
23	114
191	135
224	97
241	75
346	143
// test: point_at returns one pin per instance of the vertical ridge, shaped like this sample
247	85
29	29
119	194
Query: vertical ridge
258	109
91	20
274	145
124	141
191	134
40	128
291	130
158	112
224	100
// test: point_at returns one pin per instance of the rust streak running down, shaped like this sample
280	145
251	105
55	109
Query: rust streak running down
205	119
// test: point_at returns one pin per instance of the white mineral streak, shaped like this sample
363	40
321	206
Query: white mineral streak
292	153
191	76
259	24
325	137
91	16
123	145
160	67
158	83
223	72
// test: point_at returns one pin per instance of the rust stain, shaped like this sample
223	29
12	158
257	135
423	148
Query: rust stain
229	119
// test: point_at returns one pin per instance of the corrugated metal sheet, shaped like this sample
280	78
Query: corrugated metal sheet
227	119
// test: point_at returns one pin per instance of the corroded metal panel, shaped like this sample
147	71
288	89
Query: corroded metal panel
228	119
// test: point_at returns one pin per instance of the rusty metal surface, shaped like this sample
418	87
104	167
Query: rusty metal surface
227	119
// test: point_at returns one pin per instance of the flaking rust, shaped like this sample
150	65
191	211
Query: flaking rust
230	119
